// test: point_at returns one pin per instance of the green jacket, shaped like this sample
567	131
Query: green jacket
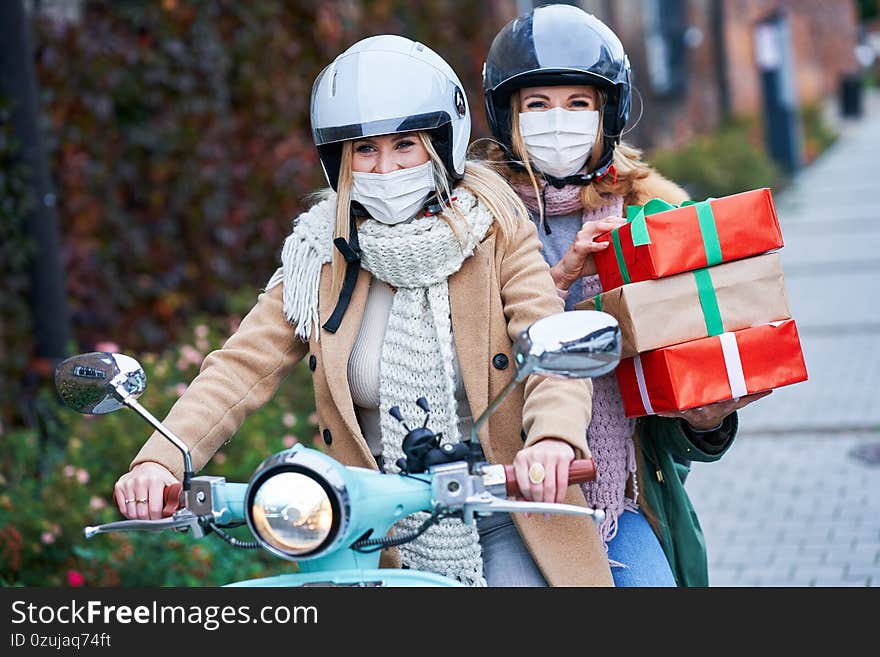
661	442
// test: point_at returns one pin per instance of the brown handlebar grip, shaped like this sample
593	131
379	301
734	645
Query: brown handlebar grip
171	499
579	472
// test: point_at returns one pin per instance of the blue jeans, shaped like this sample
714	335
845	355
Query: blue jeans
507	561
636	548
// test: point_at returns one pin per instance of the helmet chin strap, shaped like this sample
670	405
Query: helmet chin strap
606	164
583	179
433	205
351	252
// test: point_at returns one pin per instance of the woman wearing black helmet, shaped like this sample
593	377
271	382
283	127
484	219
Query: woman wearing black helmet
409	279
557	92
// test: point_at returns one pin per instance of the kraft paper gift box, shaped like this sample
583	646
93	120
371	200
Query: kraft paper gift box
709	370
696	304
661	239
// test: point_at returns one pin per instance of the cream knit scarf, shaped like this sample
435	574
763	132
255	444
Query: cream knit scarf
416	258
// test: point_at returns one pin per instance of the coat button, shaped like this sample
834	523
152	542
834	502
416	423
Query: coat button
313	363
327	437
500	361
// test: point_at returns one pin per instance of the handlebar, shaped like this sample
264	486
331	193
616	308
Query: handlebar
579	472
171	499
497	481
181	519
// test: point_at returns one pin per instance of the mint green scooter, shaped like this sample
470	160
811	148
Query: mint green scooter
333	520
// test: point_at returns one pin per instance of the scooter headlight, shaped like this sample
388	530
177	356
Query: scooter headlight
296	505
292	512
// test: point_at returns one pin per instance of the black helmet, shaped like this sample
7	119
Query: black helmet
557	45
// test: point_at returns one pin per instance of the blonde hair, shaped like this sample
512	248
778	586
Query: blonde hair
627	162
480	179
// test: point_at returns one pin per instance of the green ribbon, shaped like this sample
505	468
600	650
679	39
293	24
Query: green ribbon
597	302
636	216
709	231
708	302
618	255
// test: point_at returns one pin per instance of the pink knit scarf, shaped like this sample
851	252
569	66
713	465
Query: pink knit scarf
610	434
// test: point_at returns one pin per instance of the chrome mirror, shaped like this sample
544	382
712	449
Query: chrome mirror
574	345
578	344
100	382
87	382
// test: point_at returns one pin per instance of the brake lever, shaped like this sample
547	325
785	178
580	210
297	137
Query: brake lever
183	518
486	502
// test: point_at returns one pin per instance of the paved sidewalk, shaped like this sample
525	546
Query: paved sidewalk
796	501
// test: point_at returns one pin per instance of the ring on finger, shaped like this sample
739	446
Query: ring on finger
536	473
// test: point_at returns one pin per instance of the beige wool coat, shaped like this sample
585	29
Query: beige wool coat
498	292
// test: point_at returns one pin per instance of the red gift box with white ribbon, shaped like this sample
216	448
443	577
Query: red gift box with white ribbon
708	370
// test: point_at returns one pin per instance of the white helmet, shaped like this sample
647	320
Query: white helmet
386	84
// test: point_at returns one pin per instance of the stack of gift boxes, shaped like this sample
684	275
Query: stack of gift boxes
699	294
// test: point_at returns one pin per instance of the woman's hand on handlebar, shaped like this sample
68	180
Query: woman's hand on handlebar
140	493
553	457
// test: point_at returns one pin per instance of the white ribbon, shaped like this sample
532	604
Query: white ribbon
732	362
643	389
735	377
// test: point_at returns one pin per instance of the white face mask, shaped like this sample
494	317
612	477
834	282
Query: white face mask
394	197
559	141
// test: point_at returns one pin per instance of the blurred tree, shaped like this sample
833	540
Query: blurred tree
31	206
178	139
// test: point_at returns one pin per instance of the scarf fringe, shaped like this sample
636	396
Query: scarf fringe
304	253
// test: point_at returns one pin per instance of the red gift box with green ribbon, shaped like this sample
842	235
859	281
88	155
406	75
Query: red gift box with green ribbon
708	370
661	239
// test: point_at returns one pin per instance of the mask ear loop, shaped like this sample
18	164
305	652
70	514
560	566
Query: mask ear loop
641	112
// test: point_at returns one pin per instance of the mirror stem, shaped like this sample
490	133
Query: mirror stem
126	398
187	461
491	408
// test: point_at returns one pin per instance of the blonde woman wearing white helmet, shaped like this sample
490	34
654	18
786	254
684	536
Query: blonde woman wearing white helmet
409	278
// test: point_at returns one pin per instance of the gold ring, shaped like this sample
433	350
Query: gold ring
536	472
129	500
141	500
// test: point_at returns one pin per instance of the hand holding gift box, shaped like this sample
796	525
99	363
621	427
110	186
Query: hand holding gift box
696	304
661	239
713	369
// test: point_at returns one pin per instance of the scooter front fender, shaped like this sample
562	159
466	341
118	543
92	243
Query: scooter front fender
376	577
